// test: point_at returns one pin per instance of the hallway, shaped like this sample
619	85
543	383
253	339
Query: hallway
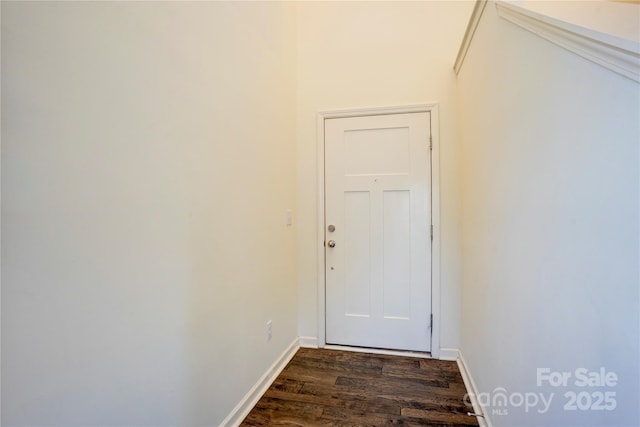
176	223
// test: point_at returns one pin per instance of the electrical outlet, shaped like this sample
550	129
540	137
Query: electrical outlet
269	330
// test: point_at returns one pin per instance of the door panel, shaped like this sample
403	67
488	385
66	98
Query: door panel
377	196
357	263
396	259
387	151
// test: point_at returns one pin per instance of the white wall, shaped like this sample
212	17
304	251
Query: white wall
148	155
550	222
370	54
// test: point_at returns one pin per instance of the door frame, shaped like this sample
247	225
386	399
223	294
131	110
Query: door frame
431	108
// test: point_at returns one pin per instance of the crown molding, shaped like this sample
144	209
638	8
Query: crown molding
476	14
619	55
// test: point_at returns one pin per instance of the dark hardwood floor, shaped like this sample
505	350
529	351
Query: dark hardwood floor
338	388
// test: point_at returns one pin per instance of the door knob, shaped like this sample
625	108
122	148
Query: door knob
331	243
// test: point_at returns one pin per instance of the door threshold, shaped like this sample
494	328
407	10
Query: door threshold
388	352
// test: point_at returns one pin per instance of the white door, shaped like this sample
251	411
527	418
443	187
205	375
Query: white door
377	235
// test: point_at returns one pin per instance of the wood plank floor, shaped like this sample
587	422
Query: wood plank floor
338	388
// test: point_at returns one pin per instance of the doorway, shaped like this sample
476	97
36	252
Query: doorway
377	217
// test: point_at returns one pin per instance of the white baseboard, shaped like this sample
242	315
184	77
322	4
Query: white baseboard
250	399
449	354
309	342
470	384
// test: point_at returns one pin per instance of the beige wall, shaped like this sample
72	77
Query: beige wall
369	54
550	222
148	158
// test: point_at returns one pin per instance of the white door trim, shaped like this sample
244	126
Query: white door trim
435	209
